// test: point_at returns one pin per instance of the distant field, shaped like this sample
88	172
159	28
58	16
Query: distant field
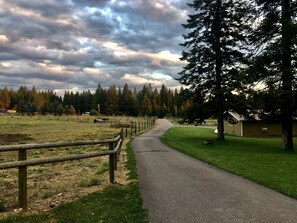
258	159
52	184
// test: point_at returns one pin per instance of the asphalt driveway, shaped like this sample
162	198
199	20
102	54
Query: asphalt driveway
178	188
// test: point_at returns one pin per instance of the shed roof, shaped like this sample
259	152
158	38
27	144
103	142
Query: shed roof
235	117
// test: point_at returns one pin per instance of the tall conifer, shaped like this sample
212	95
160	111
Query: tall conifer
274	36
215	47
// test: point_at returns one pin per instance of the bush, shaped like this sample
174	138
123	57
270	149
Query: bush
2	205
93	112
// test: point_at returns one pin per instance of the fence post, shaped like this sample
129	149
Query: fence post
121	138
111	164
126	132
135	126
22	180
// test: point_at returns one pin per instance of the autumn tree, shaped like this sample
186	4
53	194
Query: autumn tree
5	99
69	110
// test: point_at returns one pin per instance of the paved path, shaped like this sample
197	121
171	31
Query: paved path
178	188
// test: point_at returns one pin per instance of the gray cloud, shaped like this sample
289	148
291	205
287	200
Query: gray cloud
75	44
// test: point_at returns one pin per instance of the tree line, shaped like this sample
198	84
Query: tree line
106	101
242	56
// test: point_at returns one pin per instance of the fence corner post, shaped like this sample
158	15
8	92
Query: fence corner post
22	180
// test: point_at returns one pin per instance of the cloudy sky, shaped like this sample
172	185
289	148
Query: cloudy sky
76	44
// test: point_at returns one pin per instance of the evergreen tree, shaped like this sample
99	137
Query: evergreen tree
215	52
56	108
127	101
275	62
23	94
31	108
154	101
146	106
111	101
22	106
99	100
44	109
164	96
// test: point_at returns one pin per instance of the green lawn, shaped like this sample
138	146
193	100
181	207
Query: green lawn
258	159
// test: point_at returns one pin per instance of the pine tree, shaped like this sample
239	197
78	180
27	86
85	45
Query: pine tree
127	101
99	100
275	39
215	53
111	101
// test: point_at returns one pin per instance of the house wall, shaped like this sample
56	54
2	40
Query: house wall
256	129
260	129
232	129
273	129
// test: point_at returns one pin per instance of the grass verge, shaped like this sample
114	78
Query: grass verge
114	204
257	159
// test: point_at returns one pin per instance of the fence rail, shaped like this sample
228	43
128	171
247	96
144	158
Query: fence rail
115	145
22	163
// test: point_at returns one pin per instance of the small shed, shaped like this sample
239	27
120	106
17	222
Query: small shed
238	125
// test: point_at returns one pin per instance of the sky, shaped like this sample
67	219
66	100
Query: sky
73	45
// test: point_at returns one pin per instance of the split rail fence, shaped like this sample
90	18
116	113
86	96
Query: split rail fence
114	144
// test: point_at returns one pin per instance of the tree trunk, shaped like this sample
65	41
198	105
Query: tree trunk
220	119
287	77
218	91
287	136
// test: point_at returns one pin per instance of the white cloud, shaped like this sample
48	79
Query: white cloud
73	44
3	39
137	80
95	72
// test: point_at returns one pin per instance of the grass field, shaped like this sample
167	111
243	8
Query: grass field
53	184
115	204
257	159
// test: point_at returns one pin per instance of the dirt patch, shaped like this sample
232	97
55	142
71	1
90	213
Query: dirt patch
14	138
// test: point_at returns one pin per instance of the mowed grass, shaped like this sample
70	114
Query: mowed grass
115	204
258	159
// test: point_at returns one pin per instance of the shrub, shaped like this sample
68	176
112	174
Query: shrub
93	112
2	205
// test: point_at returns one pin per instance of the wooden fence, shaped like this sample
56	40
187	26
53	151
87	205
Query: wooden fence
115	145
133	128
